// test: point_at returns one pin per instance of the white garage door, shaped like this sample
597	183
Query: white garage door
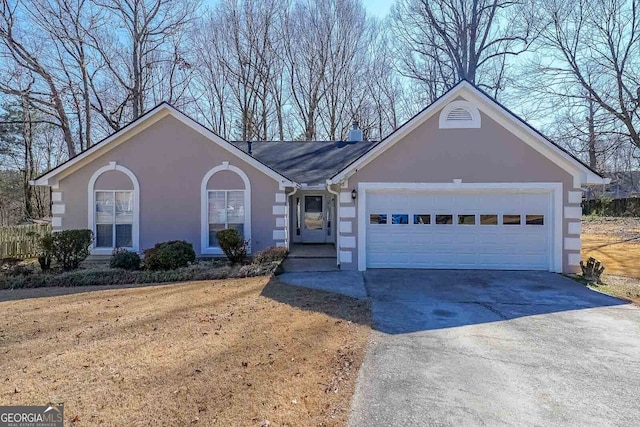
481	230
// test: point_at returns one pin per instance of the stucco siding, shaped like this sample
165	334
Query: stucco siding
490	154
170	160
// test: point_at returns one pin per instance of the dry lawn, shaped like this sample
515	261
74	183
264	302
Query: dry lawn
621	257
231	353
627	288
615	242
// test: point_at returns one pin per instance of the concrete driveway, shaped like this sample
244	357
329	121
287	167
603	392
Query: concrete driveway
497	348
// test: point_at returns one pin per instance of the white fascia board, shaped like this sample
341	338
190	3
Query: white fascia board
582	174
103	146
392	139
229	147
530	136
136	127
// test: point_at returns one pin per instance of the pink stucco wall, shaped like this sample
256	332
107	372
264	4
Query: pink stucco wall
169	159
486	155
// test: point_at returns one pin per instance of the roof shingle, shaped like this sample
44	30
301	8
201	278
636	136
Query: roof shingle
310	162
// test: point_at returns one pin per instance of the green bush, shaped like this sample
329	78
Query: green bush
71	247
122	258
169	255
233	245
270	254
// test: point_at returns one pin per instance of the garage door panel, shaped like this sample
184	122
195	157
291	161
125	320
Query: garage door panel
476	245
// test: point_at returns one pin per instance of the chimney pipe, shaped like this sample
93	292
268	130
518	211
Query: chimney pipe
355	133
249	148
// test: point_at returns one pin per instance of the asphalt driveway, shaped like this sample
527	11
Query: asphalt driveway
497	348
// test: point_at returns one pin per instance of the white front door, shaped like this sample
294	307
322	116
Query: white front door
456	229
314	224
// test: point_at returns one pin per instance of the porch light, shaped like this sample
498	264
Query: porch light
354	194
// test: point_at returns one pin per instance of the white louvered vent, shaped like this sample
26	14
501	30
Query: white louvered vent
459	114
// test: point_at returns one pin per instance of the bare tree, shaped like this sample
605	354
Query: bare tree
67	23
28	76
308	30
443	41
149	26
593	52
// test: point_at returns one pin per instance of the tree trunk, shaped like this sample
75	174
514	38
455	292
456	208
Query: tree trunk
592	136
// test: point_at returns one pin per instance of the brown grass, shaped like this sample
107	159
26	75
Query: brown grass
627	288
232	352
620	256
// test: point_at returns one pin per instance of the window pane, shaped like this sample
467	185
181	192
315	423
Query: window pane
124	207
104	207
399	219
467	219
422	219
313	204
217	208
313	221
124	235
235	207
511	219
444	219
488	219
104	236
377	219
238	227
535	219
213	229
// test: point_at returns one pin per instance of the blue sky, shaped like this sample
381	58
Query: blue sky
379	8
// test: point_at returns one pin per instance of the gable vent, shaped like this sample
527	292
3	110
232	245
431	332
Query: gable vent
459	114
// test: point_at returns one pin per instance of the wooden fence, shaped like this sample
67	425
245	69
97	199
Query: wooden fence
21	241
612	207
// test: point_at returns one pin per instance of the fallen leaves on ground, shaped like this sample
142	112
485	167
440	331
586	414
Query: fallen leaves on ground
232	352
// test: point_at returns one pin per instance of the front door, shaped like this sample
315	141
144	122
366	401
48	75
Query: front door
313	219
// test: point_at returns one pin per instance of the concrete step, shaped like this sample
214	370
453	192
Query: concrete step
309	264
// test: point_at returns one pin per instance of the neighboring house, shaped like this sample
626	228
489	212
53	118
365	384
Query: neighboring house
463	184
623	185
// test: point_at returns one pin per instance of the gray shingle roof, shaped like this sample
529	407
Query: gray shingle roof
311	162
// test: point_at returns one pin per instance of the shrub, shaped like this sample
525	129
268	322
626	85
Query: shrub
270	254
169	255
71	247
122	258
233	245
13	267
46	251
252	270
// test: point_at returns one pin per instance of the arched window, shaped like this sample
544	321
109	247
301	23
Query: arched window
114	209
226	204
459	114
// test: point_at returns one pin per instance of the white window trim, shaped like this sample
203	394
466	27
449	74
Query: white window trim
91	220
474	123
113	232
226	223
554	189
205	249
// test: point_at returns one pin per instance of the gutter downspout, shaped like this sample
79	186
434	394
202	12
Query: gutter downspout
295	190
337	221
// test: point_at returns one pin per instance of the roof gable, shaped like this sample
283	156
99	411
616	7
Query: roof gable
143	122
464	90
